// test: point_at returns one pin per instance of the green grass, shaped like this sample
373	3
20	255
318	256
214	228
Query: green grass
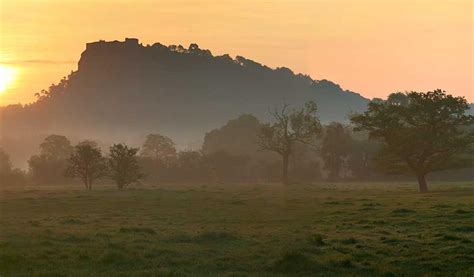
237	230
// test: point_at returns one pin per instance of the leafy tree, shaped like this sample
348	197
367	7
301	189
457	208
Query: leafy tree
5	162
49	165
427	133
158	157
224	166
123	165
290	127
305	165
238	137
377	100
8	174
335	149
86	163
159	147
191	166
92	143
361	157
398	98
56	147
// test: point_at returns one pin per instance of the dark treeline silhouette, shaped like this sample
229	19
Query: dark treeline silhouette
414	133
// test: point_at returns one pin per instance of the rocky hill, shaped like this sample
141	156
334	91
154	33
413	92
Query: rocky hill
125	89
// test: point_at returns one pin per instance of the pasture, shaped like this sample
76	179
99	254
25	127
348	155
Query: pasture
325	229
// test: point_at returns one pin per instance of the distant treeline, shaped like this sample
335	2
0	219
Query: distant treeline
228	154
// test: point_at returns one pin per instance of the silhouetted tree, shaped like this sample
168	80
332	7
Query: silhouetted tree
123	165
223	166
377	100
56	147
398	98
86	163
5	162
8	174
238	137
49	165
159	147
191	166
426	134
335	149
158	157
290	127
361	158
91	143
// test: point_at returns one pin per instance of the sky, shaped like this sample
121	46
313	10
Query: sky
373	47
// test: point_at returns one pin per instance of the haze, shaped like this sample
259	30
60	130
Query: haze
372	47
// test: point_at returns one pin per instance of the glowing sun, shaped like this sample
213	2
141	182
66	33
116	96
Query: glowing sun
7	75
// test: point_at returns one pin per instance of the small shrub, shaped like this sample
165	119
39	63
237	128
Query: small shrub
316	239
441	206
143	230
71	221
451	238
292	262
391	241
464	229
114	258
216	237
373	204
76	239
154	253
237	202
337	203
349	241
83	256
35	223
208	237
403	211
10	262
344	263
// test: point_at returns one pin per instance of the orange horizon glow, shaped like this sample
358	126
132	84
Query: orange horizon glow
372	47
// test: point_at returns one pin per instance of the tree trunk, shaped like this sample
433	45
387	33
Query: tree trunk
86	182
284	178
422	182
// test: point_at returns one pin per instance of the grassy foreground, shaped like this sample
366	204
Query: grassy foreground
238	230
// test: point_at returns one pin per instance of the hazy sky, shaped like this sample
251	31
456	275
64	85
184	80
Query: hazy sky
373	47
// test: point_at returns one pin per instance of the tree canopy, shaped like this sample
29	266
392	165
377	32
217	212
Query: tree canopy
424	133
123	165
49	165
335	149
86	163
159	147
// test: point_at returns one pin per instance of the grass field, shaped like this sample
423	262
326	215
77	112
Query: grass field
237	230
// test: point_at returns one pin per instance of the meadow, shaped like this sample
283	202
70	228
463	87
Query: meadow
335	229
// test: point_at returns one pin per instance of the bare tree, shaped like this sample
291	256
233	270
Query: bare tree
290	127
